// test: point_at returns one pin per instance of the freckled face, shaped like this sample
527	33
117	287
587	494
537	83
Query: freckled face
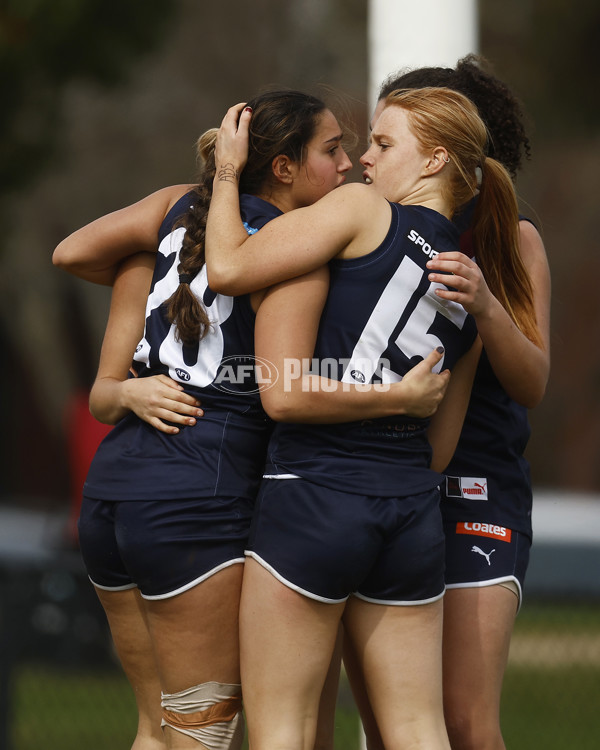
325	165
394	161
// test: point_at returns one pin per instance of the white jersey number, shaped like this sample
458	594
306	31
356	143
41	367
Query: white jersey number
415	339
203	371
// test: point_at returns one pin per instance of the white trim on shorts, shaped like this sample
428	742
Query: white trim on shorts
126	587
391	603
491	582
291	585
181	589
280	476
196	581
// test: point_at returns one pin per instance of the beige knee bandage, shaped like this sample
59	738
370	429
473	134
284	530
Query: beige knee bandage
211	713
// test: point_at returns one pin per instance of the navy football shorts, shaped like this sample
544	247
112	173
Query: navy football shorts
483	554
328	544
162	547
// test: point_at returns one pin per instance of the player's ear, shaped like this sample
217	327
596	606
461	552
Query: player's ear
282	168
436	161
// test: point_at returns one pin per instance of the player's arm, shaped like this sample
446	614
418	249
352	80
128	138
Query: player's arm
290	245
94	252
286	330
446	424
114	394
520	365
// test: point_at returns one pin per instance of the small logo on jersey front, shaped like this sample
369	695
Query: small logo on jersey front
358	376
245	374
470	488
479	551
249	229
490	530
182	374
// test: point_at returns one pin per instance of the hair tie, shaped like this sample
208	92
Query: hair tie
186	278
478	175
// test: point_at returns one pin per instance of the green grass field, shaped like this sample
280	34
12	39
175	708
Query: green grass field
551	696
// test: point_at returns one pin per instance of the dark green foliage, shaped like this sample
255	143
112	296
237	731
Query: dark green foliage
47	44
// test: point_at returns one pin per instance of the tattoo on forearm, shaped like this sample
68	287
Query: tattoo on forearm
227	173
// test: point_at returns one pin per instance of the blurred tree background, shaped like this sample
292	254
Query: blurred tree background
102	104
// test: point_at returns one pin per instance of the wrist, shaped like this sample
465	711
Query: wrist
489	310
228	171
123	394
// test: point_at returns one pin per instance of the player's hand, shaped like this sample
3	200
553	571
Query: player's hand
464	276
423	389
231	147
159	399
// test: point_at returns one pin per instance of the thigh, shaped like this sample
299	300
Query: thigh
195	634
287	641
399	651
129	628
478	624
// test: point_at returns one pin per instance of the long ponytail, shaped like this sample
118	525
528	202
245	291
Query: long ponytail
441	116
495	235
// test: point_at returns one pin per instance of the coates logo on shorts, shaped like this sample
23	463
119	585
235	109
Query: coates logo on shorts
245	374
489	530
469	488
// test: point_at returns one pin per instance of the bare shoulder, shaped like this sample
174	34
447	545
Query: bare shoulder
167	197
532	245
144	217
535	261
355	193
356	205
368	214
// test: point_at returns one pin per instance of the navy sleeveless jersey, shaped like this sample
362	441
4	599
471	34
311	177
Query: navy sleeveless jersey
488	479
224	452
380	319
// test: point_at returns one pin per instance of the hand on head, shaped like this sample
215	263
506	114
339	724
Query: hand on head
231	148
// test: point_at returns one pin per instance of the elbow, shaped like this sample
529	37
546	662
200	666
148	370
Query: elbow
61	257
222	280
529	397
279	413
440	463
532	392
281	407
532	399
67	260
101	412
233	279
103	416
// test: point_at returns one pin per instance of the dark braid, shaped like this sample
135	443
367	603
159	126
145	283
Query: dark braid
185	310
498	107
